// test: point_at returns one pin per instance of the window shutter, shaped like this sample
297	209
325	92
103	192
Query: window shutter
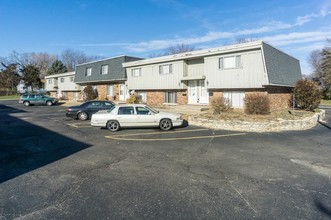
221	63
238	61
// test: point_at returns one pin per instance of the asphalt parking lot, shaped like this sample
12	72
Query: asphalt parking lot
53	167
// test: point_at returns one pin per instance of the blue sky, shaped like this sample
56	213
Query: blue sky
143	27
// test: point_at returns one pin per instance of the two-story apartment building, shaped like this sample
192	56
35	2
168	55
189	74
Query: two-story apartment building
230	71
108	76
63	86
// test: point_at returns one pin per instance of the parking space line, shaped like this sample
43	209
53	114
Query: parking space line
164	132
79	125
173	139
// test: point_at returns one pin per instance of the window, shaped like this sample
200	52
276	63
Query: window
104	69
50	81
142	111
170	97
236	98
142	97
230	62
125	111
62	80
72	79
165	69
136	72
95	105
88	71
110	90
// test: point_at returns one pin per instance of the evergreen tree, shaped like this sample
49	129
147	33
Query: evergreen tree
30	75
9	79
57	67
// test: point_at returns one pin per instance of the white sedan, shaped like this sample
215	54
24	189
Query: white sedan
135	115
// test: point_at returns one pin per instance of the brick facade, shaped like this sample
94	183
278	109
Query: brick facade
102	92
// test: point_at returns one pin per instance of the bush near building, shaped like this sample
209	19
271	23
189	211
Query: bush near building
307	94
90	93
257	103
220	104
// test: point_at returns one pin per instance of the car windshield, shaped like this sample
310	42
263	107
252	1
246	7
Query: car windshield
111	109
152	110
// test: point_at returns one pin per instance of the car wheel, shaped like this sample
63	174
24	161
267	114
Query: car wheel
165	124
83	116
26	103
49	103
113	125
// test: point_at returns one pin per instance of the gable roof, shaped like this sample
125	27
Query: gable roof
115	70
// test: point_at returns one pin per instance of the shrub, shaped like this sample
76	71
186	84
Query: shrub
257	103
90	93
220	104
133	99
307	94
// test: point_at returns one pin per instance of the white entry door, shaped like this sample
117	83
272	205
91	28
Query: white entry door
192	92
123	92
198	92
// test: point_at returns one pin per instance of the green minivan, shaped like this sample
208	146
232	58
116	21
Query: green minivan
37	99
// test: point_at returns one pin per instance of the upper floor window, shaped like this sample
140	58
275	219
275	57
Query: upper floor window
72	78
165	69
136	72
104	69
50	81
231	62
62	80
88	71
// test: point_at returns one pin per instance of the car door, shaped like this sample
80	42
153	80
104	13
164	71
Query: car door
93	107
32	99
127	117
38	99
145	117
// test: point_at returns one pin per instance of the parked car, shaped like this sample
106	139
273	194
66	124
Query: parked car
37	99
87	109
135	115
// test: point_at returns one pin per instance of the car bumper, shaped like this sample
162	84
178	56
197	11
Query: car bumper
177	123
97	124
71	114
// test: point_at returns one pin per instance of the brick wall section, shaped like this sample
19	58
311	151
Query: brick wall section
116	92
216	93
155	98
182	98
279	98
102	92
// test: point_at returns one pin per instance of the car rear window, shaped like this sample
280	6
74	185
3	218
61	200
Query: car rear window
24	96
125	111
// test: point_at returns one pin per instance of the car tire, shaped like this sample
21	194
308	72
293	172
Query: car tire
49	103
83	116
113	125
165	124
26	103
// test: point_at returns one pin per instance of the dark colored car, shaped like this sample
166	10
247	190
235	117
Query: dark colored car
37	99
85	110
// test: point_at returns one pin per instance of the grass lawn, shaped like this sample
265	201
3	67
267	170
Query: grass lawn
9	97
325	102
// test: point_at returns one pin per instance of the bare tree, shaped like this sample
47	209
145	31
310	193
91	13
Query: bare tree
314	59
178	48
70	58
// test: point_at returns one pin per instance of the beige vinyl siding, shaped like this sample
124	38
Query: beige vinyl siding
152	79
250	74
195	67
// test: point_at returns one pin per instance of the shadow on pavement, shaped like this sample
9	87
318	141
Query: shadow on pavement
323	208
25	147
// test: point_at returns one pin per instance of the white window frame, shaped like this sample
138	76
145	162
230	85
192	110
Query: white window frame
230	62
88	71
104	69
170	97
165	69
50	81
62	80
136	72
72	78
110	90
